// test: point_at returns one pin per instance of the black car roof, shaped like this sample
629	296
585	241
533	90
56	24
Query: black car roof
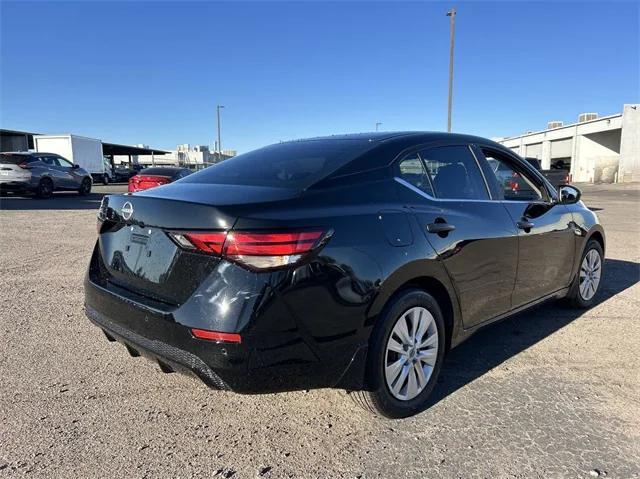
417	136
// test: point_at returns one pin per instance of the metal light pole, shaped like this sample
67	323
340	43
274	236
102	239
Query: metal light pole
377	125
218	107
451	13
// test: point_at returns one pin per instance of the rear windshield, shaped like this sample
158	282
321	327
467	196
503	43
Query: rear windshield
295	165
160	171
14	159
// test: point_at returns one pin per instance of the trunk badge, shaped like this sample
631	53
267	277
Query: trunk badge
127	210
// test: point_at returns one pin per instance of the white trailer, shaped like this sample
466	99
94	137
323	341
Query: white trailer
85	152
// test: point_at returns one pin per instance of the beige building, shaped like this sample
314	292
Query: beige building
596	149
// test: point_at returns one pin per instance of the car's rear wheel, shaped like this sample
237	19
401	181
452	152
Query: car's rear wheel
406	353
45	188
587	282
105	179
85	187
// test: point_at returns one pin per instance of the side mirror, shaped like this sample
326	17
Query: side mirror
75	166
568	195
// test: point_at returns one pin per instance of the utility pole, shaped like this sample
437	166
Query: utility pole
218	107
452	14
377	125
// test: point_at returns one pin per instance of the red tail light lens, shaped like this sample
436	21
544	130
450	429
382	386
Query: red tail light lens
270	244
207	242
216	336
260	250
24	165
144	182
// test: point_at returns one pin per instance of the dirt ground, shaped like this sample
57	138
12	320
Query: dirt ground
553	392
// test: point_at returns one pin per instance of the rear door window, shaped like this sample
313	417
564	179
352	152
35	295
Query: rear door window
454	173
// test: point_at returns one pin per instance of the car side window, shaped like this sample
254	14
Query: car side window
47	160
513	182
62	162
411	170
454	173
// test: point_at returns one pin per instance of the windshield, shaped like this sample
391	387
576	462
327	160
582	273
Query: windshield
9	159
295	165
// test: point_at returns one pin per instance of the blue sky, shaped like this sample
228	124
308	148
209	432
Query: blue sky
145	72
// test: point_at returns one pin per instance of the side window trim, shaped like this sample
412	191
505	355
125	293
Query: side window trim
426	173
416	149
402	181
484	178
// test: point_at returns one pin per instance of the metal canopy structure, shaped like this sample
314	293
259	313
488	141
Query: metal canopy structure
14	140
110	149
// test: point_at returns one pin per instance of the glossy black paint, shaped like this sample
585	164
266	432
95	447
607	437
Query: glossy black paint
308	325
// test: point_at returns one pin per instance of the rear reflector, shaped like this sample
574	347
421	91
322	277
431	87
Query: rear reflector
216	336
256	249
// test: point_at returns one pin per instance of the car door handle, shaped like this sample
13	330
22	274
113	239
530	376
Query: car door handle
440	228
525	224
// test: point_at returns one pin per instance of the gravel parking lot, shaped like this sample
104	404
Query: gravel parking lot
553	392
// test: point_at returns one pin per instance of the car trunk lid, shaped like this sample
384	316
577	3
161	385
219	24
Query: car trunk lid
11	169
136	251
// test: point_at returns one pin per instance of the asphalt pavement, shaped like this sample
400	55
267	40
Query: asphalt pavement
553	392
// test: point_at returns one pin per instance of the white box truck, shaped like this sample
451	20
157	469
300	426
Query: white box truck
85	152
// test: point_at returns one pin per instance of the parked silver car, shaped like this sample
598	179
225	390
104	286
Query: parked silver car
42	174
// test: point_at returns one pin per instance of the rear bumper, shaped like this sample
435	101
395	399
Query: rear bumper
14	186
169	358
156	335
267	360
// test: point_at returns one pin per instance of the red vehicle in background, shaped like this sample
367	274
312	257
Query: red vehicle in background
156	176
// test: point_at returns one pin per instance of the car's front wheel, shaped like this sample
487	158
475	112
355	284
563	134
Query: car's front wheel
587	282
406	352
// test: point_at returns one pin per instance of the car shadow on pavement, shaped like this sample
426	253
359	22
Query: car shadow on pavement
59	201
498	342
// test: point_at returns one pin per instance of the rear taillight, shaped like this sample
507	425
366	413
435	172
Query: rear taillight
144	182
24	165
133	184
207	242
256	249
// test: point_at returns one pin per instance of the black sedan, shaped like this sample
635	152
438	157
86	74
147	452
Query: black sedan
352	262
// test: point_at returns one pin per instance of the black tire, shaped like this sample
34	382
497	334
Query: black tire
105	179
45	188
575	298
85	187
377	397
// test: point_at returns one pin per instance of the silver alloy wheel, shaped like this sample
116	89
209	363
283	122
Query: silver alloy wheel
590	271
411	354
